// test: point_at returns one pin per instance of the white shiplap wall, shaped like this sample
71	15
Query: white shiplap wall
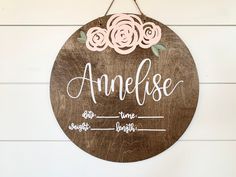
31	142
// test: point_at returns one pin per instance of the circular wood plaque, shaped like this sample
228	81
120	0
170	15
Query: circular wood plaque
124	102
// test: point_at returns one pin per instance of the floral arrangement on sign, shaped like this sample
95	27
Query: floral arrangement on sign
123	33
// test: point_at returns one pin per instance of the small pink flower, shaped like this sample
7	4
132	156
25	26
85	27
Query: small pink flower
124	32
96	39
151	35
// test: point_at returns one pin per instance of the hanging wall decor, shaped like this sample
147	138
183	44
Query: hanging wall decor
124	87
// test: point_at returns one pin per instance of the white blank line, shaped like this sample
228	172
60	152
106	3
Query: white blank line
153	130
110	129
107	117
101	129
150	117
140	117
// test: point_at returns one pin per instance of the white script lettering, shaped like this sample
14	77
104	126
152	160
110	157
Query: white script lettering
128	86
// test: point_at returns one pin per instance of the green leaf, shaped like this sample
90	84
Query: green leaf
81	40
83	35
155	50
160	47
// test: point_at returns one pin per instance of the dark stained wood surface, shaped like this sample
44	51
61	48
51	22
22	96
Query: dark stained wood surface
178	109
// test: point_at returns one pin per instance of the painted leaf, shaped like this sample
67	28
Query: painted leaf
83	35
160	47
155	50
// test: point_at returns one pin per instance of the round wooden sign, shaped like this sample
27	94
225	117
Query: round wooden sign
124	87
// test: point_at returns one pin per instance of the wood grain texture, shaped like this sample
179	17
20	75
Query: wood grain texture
33	63
42	125
27	54
178	109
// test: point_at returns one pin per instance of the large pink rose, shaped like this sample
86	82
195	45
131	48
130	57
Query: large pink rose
151	35
124	32
96	39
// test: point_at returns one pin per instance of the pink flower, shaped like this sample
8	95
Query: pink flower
96	39
124	32
151	35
